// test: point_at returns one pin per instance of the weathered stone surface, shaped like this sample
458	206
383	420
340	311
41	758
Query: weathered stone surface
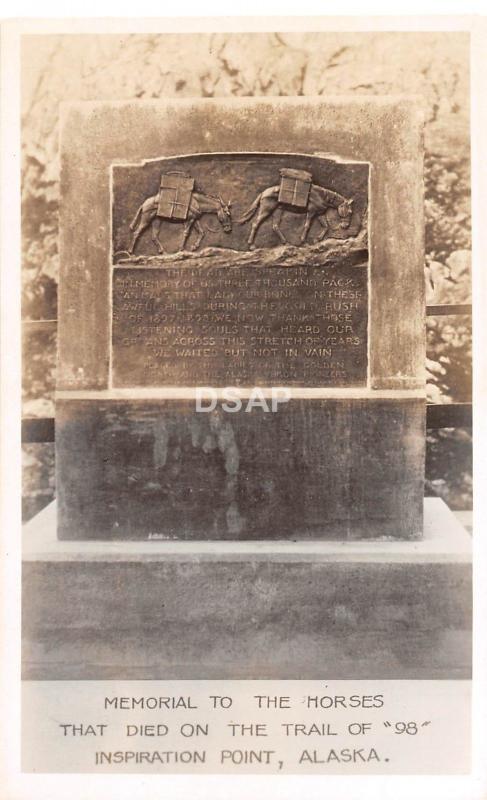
324	469
368	610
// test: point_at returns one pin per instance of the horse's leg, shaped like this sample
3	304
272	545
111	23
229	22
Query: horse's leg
201	233
324	224
264	212
155	228
187	230
307	225
138	231
276	221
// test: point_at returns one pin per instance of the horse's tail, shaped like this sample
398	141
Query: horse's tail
250	211
133	224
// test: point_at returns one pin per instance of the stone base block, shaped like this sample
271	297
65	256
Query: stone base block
331	468
248	610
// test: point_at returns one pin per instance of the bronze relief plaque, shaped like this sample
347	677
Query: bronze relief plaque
240	269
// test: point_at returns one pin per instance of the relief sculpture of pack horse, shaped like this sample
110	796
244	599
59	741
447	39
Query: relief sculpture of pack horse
180	200
298	194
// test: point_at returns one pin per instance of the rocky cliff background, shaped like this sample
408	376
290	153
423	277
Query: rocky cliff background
433	66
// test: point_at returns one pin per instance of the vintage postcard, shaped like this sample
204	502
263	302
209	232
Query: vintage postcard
246	320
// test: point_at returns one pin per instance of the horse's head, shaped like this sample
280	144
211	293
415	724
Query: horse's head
224	215
345	211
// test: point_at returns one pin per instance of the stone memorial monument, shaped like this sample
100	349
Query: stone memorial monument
269	250
251	245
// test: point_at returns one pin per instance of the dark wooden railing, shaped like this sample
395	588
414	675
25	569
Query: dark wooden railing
447	309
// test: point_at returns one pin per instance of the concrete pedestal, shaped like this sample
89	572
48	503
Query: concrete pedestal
242	610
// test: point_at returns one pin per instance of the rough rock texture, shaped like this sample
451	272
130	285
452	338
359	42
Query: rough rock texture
349	252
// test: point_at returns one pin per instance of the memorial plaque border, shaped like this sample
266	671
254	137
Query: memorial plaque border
131	181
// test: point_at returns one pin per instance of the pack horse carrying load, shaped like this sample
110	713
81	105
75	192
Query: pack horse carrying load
296	193
178	200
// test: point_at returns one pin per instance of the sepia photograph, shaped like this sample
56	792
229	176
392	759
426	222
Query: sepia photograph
246	416
227	240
